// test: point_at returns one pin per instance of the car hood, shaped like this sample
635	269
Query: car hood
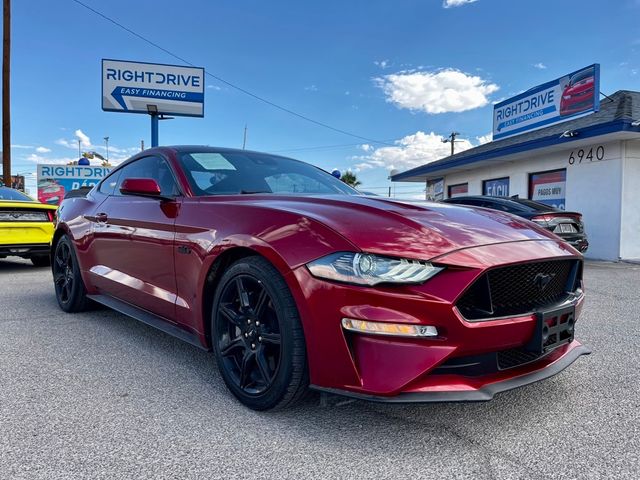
415	230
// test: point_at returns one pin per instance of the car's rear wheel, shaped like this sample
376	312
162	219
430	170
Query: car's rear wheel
70	290
40	260
257	336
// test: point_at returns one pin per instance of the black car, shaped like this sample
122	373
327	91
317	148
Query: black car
567	225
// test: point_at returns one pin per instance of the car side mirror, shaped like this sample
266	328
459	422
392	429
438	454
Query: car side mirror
144	187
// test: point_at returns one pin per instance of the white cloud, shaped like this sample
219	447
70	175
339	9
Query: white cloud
66	143
311	88
540	66
21	146
214	87
440	91
365	147
381	63
85	141
482	139
57	161
43	150
456	3
410	151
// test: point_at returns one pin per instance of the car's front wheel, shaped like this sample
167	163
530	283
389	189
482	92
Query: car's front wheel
70	290
257	336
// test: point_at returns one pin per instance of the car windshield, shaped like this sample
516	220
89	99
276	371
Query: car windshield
581	76
7	193
229	173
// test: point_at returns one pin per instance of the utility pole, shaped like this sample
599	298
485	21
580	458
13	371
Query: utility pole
451	138
244	138
6	92
106	141
79	149
141	145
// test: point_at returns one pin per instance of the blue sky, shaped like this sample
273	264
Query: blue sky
403	72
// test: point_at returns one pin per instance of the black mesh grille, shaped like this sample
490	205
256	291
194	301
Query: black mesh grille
519	289
515	357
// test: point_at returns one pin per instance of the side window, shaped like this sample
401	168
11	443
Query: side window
151	167
108	185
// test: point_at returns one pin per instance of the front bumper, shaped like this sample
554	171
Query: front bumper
467	392
379	367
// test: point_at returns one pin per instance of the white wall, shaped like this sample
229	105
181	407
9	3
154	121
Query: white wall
630	214
594	188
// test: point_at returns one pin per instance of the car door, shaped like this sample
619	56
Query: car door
133	241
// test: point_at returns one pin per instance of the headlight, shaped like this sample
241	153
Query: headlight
369	269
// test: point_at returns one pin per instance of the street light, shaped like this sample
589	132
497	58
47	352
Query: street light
106	141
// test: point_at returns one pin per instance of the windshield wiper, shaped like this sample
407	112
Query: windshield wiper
250	192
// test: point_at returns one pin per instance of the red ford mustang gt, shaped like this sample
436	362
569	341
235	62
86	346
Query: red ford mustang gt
293	279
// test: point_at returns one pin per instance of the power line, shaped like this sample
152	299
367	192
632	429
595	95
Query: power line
236	87
324	147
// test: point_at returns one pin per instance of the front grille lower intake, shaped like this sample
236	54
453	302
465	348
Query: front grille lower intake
520	289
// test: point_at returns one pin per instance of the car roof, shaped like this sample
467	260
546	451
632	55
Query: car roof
483	197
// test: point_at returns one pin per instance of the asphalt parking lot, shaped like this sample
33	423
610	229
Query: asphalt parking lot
98	395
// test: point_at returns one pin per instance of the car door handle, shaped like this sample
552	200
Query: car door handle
102	217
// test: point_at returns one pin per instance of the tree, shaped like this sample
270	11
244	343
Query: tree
350	179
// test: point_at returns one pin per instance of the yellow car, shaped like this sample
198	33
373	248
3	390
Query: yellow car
26	227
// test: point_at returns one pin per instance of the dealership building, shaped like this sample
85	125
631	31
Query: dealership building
587	163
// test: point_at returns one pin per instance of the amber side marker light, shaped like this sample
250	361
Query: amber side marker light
385	328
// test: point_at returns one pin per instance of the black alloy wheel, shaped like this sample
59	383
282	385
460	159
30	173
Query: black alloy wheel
258	338
70	290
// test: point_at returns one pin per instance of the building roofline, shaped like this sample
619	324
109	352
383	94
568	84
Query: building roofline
551	140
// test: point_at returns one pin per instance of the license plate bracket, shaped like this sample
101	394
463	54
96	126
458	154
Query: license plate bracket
553	329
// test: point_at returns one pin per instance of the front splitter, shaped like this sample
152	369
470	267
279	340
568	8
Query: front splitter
482	394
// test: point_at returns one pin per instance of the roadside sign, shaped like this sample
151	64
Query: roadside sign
56	180
565	98
169	89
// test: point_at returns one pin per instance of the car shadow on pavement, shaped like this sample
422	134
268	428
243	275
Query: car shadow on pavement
11	265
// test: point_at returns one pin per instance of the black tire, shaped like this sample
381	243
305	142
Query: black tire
257	336
70	290
40	260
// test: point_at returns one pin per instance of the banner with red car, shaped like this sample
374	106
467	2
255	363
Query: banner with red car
573	95
56	180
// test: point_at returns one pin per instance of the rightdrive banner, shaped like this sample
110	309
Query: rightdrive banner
565	98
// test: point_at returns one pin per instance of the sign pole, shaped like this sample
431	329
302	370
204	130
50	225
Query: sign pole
6	89
154	129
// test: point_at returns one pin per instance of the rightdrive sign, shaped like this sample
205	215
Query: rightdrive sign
568	97
171	89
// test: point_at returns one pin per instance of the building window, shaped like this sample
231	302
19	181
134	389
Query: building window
458	190
496	187
549	187
435	190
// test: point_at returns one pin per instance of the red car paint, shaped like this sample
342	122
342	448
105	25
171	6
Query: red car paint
131	254
577	95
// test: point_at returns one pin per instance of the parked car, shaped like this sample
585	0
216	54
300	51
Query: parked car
567	225
578	94
294	279
26	227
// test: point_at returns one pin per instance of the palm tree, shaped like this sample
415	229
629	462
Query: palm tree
350	179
